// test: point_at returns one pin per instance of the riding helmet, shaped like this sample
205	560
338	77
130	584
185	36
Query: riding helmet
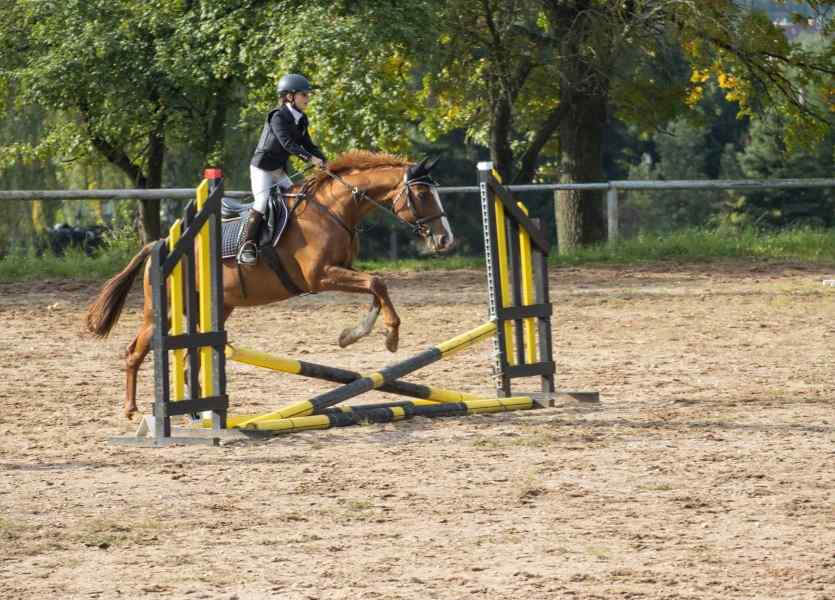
293	82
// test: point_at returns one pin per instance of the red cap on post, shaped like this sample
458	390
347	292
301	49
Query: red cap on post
213	173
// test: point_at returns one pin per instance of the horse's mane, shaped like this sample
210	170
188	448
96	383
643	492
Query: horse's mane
355	160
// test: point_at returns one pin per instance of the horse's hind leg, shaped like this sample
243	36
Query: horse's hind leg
363	328
136	353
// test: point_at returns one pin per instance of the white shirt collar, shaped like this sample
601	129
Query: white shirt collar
297	115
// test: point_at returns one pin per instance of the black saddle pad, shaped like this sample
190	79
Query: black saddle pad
232	230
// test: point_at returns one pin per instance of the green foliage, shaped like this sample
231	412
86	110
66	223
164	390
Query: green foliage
680	155
119	249
362	60
716	141
650	60
112	75
767	156
759	67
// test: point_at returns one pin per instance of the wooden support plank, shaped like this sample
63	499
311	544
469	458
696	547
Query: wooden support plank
512	211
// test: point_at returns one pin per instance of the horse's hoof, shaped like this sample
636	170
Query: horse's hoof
346	338
129	412
392	340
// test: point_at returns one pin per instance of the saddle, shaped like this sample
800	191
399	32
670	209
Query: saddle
234	215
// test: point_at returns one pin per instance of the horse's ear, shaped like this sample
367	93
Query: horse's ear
432	163
419	169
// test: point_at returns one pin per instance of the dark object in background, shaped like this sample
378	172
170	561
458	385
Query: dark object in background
64	236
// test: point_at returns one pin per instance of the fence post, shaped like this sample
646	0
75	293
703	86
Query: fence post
393	250
612	213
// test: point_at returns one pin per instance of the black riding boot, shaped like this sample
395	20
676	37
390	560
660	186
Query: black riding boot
248	253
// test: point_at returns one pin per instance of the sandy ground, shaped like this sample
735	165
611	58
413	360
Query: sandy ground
705	472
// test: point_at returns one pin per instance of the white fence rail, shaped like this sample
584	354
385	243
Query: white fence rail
613	190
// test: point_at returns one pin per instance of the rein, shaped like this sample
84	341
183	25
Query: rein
305	195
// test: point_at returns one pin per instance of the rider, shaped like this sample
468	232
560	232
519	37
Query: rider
285	133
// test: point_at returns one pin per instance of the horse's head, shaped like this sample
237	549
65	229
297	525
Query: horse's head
417	202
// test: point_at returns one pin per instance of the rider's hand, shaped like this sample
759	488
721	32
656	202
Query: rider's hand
318	162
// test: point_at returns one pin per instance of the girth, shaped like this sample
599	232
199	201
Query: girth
273	261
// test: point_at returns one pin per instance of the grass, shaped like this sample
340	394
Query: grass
807	245
11	531
29	539
815	246
429	263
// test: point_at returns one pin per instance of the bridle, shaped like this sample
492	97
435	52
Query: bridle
419	227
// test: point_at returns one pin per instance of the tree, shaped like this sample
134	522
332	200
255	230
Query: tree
716	139
694	145
363	58
541	77
767	156
124	79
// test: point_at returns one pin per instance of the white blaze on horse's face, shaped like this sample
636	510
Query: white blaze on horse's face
427	211
445	241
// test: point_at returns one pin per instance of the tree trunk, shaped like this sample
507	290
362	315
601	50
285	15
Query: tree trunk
149	209
501	152
215	133
580	214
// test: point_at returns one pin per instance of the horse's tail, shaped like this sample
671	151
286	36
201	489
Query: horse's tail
103	313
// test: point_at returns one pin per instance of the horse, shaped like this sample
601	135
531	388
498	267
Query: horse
316	249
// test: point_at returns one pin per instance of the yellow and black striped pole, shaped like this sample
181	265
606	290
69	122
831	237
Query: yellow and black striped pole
336	375
381	377
356	415
476	405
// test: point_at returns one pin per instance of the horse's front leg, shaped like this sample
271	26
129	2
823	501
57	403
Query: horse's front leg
339	279
363	328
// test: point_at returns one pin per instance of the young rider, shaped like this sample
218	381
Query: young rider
285	132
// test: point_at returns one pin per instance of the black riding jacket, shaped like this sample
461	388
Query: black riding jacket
280	138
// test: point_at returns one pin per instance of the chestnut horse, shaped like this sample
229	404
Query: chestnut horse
316	249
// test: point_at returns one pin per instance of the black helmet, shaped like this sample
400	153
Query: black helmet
293	82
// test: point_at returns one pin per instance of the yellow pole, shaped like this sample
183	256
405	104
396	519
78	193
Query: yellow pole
504	273
38	221
291	424
465	340
263	360
528	292
492	405
204	286
177	317
305	423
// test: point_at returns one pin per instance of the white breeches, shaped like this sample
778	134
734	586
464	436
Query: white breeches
261	182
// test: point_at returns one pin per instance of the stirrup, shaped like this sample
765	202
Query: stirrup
248	253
